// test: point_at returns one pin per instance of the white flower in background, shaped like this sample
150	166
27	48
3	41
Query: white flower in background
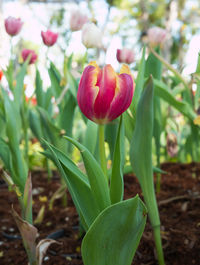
91	36
77	20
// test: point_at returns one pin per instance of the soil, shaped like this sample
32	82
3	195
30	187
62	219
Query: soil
179	206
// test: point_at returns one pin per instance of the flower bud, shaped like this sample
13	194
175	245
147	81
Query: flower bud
49	38
13	25
91	36
26	53
156	36
103	95
125	56
77	20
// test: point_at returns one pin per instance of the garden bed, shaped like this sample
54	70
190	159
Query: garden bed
179	204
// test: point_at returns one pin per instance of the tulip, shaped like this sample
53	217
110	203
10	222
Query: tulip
49	38
13	25
125	56
104	95
91	36
1	74
26	53
156	36
77	20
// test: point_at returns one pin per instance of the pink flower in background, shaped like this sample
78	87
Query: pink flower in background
26	53
91	36
49	38
13	25
77	20
125	56
103	95
156	36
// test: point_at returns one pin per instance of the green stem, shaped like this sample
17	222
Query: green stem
159	250
103	161
170	67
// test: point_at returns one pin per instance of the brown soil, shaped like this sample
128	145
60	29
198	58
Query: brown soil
179	204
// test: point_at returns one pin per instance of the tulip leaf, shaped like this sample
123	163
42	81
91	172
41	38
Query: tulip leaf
66	115
91	134
115	234
163	92
141	150
13	129
139	83
129	117
97	179
154	68
55	78
39	91
5	155
19	89
77	185
116	180
35	125
111	135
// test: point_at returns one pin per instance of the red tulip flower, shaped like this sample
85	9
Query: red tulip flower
26	53
13	25
125	56
103	95
49	38
1	74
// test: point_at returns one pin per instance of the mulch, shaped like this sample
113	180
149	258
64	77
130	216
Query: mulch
179	206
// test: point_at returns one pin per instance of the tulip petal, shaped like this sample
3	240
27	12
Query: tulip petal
123	98
87	91
107	85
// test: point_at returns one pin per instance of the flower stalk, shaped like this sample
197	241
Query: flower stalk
102	150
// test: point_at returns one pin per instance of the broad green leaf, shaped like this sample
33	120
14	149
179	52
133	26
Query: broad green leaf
90	140
141	151
139	84
116	180
19	89
40	94
13	133
55	78
154	68
9	74
115	234
66	115
51	132
5	155
97	179
77	185
111	135
129	116
35	124
162	91
72	83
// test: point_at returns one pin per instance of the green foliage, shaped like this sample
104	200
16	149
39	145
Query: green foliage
116	180
115	234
